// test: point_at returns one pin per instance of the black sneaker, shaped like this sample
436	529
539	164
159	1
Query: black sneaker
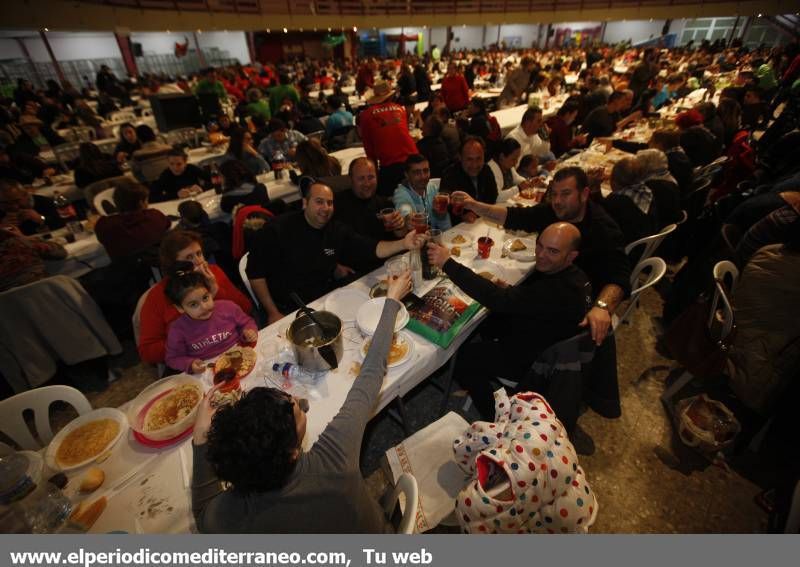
582	441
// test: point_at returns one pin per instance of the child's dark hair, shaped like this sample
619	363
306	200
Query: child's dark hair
181	282
192	212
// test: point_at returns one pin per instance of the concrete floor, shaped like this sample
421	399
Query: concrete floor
645	481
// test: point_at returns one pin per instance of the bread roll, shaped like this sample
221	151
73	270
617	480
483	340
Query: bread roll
92	480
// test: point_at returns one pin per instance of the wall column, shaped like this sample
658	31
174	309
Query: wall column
200	57
31	62
124	43
58	69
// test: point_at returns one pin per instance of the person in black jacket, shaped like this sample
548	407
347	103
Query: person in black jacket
549	305
432	146
471	176
601	256
94	165
179	180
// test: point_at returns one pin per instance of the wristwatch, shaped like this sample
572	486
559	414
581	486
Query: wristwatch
601	304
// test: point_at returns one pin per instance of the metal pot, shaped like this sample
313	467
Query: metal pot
303	328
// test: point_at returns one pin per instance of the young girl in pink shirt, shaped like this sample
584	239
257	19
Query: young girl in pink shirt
206	328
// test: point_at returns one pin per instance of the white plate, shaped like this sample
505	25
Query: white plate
369	315
528	255
345	302
447	239
479	266
102	413
401	336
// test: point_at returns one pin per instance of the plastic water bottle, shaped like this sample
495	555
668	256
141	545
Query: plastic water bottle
277	164
291	371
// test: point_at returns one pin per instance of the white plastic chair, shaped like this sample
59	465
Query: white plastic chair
12	420
136	320
104	202
66	153
658	268
650	243
122	116
243	274
722	271
406	485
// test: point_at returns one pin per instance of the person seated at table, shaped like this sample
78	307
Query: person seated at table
128	142
310	253
313	160
193	217
416	194
276	485
669	92
240	187
21	211
711	120
151	147
668	140
339	119
434	104
528	134
755	112
451	134
34	137
206	328
601	257
471	175
23	168
359	207
549	305
94	165
281	93
281	143
136	227
179	180
482	124
210	85
603	122
700	145
508	181
630	203
256	105
158	313
240	148
23	256
666	194
433	146
560	125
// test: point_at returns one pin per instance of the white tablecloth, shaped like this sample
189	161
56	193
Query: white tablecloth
155	494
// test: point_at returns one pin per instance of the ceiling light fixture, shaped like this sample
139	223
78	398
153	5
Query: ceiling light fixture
285	30
355	29
759	15
46	29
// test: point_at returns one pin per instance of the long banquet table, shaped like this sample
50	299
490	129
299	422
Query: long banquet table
149	490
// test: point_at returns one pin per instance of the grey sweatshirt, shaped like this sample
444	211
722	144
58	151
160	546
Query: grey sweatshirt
326	492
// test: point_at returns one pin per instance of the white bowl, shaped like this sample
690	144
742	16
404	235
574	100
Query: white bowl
369	315
101	413
139	406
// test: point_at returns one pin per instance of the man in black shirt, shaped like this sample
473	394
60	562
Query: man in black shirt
180	180
471	175
542	310
601	257
360	206
308	252
602	121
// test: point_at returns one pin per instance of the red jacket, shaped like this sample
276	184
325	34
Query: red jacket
455	92
384	131
157	314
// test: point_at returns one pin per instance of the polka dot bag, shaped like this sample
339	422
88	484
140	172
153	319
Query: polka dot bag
526	473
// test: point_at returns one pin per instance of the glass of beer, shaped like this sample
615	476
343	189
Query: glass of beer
457	204
440	202
419	222
386	216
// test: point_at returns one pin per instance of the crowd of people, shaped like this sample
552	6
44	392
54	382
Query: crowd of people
727	164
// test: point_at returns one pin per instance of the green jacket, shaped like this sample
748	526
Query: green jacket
277	94
204	87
